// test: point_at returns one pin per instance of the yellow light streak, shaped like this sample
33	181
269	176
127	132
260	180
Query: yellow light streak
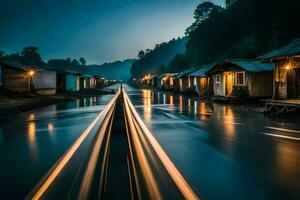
90	170
175	174
144	165
58	167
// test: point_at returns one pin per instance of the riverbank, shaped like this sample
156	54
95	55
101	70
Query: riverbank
12	103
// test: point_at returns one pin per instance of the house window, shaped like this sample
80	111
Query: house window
240	78
218	78
195	81
180	84
171	81
189	82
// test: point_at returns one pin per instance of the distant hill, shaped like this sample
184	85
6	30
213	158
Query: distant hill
155	61
119	70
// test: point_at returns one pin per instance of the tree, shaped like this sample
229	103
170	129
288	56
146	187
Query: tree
75	62
82	61
141	54
1	53
179	62
154	59
202	13
30	56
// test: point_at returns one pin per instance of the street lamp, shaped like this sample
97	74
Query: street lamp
30	74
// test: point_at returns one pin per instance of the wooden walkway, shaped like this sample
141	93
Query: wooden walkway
282	106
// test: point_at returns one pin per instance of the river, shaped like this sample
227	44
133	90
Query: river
224	152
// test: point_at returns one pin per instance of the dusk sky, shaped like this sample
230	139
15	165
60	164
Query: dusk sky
99	30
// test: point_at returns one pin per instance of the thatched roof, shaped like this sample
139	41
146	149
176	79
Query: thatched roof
291	49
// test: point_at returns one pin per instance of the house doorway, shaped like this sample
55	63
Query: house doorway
293	83
228	83
298	82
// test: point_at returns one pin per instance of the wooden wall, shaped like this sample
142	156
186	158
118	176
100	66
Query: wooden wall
218	88
260	84
280	85
202	87
14	79
185	84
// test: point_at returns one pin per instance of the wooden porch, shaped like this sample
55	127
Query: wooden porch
282	106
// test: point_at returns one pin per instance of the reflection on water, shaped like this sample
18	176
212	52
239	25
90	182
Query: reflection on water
180	104
229	123
171	100
31	117
50	127
287	164
249	165
31	132
189	106
147	97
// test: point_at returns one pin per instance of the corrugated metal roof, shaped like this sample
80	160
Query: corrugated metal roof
63	69
291	49
185	73
247	65
203	69
253	65
167	75
15	64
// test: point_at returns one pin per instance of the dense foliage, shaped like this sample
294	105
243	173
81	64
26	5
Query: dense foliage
118	70
245	29
156	61
30	56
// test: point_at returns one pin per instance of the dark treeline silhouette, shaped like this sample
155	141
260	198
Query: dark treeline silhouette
155	61
30	56
245	29
118	70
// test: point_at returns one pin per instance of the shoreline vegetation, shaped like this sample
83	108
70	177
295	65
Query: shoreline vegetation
12	103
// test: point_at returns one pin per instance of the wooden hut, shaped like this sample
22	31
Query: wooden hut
85	82
287	70
44	82
92	82
20	78
154	81
166	81
183	82
14	77
72	81
201	81
235	77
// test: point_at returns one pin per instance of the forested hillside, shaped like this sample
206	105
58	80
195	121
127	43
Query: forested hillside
155	61
30	56
245	29
119	70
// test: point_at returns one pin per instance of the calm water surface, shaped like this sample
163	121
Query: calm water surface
32	142
224	152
